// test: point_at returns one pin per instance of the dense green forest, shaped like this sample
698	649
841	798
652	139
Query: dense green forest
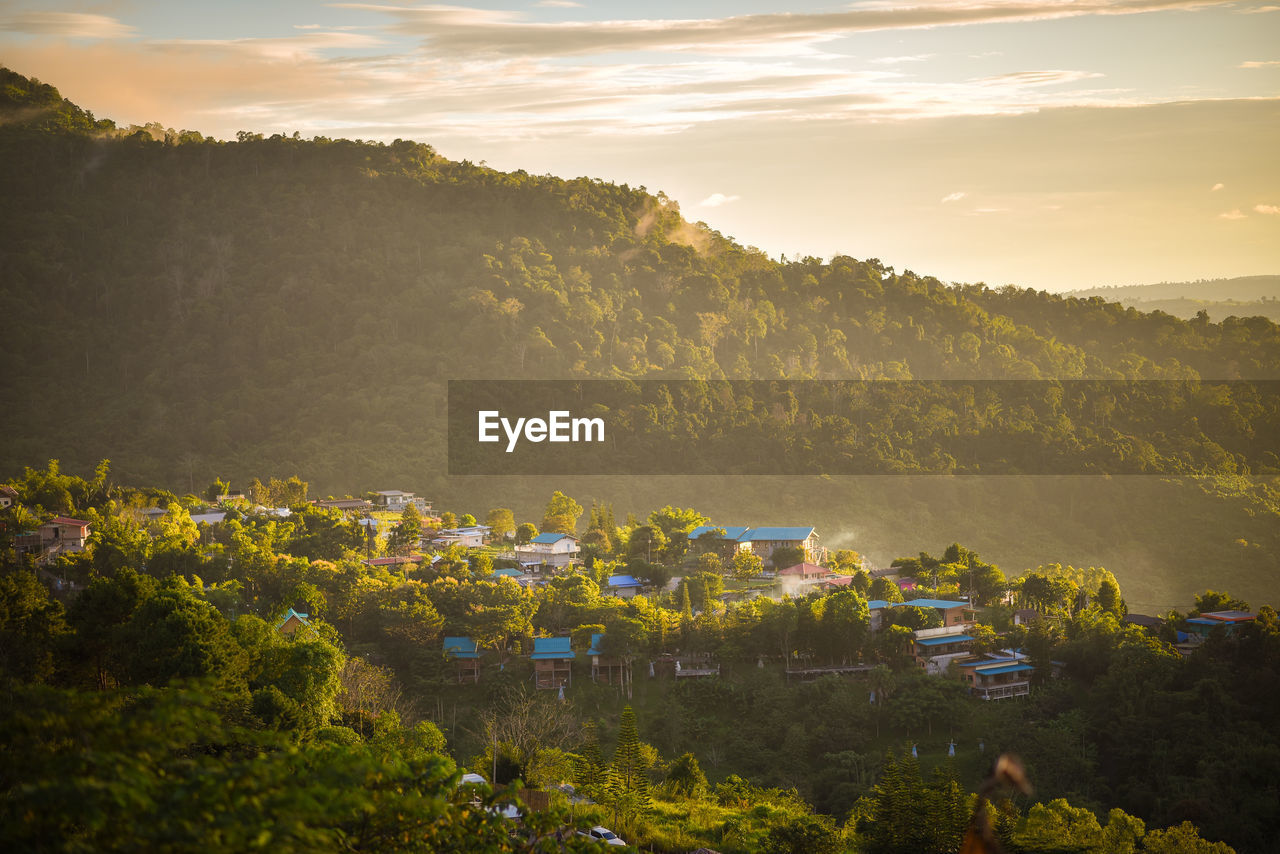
144	681
194	308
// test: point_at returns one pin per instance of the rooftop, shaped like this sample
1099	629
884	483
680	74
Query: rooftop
548	539
941	639
623	581
545	648
460	647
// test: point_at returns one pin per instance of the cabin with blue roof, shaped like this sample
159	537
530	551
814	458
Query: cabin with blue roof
552	662
466	656
622	586
997	676
934	649
609	669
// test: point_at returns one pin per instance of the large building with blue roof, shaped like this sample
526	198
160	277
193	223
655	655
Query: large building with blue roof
761	541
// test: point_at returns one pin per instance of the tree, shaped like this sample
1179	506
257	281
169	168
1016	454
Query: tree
685	778
629	783
1109	600
562	514
787	556
884	590
467	521
1182	839
501	522
175	635
746	565
30	624
406	536
1058	827
805	834
1212	600
526	532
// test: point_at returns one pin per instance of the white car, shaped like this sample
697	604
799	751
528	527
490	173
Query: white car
602	834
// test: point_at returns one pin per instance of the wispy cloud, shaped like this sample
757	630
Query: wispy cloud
1269	210
1235	214
953	197
898	60
558	4
715	200
466	31
1216	187
1256	10
72	25
1260	63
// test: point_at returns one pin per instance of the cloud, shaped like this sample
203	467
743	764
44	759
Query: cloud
558	4
1235	214
1260	63
953	197
72	25
486	32
898	60
1256	10
1269	210
1216	187
715	200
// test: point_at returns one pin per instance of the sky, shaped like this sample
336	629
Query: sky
1053	144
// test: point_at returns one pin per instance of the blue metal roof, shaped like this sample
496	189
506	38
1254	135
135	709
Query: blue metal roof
997	669
552	648
623	581
876	604
460	647
938	641
943	604
507	572
595	643
1202	621
548	539
757	534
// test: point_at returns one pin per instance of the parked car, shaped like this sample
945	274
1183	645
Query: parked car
602	834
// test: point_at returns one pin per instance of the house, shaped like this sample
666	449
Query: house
552	662
805	572
934	649
1025	616
8	496
554	550
998	676
609	669
877	607
356	506
208	518
1202	625
292	622
622	586
471	537
1144	621
64	534
953	613
395	501
761	541
464	652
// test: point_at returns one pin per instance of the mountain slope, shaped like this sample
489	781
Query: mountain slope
192	308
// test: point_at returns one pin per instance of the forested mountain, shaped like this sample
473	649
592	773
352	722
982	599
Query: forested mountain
192	308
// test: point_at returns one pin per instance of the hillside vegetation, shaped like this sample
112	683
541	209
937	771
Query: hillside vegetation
194	308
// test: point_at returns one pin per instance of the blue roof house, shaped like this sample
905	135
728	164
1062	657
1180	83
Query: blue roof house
466	655
552	662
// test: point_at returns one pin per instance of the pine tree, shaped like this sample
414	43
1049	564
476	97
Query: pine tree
631	772
591	773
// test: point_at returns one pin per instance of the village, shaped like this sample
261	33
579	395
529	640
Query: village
954	638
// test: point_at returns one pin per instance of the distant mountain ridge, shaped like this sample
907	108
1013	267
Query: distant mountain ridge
1239	289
